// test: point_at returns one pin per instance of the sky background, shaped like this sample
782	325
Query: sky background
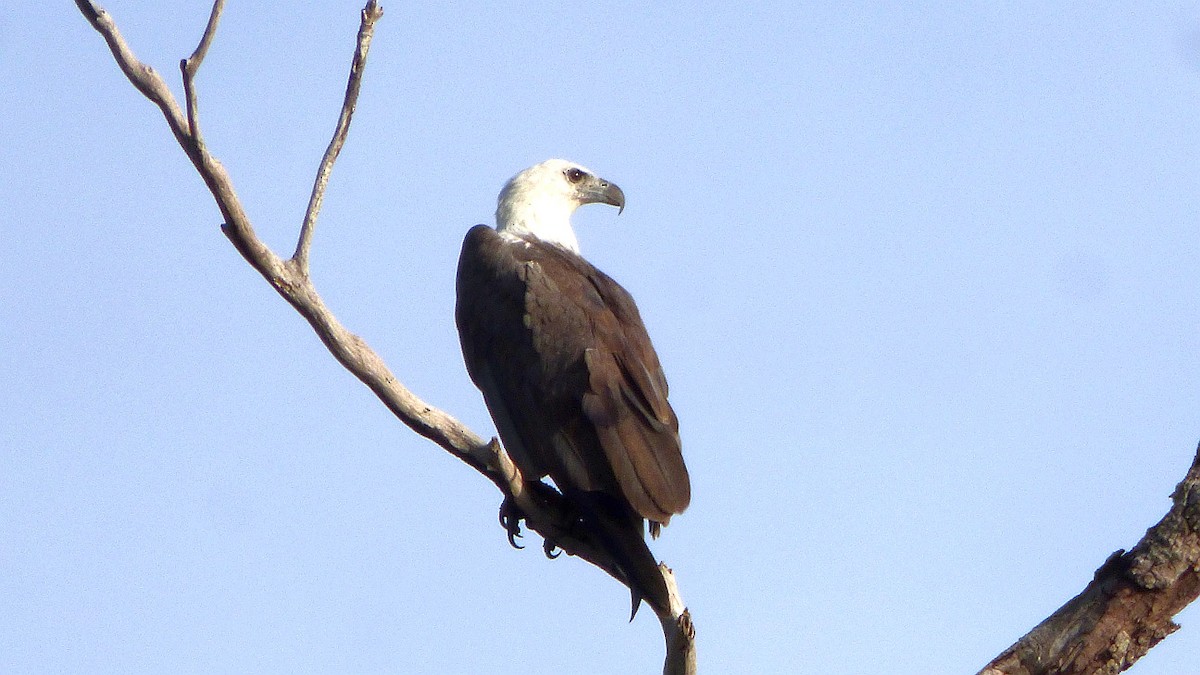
923	279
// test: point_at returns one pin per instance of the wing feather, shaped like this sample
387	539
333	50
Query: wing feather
627	402
565	364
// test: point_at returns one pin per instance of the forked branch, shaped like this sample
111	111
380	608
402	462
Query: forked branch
544	509
191	64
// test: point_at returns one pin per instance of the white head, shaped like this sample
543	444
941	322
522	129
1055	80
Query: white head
539	201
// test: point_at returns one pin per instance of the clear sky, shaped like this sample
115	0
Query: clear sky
923	279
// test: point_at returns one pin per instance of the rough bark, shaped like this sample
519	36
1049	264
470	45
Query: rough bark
543	508
1129	605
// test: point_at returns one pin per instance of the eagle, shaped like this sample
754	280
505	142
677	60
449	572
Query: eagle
567	370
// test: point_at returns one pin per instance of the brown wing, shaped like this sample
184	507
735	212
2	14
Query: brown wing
575	389
624	399
569	374
627	403
498	349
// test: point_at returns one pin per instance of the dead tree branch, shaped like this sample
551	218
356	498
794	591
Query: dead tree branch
543	508
1128	606
191	64
366	31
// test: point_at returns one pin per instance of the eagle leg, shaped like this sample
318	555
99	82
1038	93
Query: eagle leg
510	520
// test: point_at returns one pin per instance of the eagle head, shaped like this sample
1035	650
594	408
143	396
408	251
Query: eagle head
539	201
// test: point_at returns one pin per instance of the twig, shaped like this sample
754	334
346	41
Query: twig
191	64
144	78
370	14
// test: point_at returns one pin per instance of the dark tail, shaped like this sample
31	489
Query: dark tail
621	531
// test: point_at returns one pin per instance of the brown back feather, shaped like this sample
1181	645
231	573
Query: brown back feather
562	343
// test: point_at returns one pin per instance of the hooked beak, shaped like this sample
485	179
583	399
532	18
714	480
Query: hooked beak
600	191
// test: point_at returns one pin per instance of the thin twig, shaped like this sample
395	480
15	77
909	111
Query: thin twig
144	78
151	85
366	29
191	64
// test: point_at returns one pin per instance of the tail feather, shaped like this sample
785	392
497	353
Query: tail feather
621	531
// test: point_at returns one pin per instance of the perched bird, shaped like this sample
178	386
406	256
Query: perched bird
567	370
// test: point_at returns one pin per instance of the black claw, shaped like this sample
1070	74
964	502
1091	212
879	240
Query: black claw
512	539
548	547
510	520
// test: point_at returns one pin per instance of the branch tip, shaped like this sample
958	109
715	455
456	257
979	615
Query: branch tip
366	30
372	12
206	38
189	66
91	11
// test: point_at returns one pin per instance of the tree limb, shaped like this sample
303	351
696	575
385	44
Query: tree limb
544	509
1128	606
191	64
366	30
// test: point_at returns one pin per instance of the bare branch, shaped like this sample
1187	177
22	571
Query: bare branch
543	508
146	80
679	631
370	14
191	64
1128	606
141	76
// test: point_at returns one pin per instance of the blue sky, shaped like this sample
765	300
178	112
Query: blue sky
922	278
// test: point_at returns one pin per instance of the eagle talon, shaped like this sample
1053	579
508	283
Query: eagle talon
510	520
548	547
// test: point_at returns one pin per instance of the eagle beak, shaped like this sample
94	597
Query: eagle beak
603	192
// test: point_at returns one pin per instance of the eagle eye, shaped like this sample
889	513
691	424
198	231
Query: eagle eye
574	175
